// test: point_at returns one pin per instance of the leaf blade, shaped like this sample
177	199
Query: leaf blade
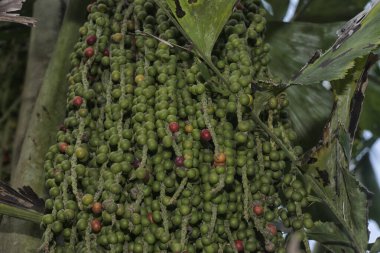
359	37
202	28
329	175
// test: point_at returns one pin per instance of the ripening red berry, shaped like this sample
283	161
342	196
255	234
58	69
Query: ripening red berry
96	226
63	147
106	52
205	135
239	245
96	208
91	39
173	127
136	163
272	228
77	101
220	158
150	217
258	209
179	161
89	52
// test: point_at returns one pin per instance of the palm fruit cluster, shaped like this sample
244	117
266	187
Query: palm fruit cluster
155	155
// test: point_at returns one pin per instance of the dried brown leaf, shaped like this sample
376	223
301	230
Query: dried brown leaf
7	7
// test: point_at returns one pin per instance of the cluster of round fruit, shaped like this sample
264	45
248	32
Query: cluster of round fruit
156	156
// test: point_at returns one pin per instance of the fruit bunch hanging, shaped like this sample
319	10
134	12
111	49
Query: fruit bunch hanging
155	155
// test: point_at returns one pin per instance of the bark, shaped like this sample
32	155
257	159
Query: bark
22	236
42	42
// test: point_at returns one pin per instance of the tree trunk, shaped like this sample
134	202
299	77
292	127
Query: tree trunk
42	42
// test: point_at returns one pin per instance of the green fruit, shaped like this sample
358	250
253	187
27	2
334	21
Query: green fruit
87	199
47	219
57	227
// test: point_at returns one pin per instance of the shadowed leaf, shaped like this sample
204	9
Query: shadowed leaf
309	109
279	9
371	111
365	172
333	10
292	45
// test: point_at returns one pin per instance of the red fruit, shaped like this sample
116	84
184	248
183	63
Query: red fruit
239	245
89	52
136	163
272	228
258	209
91	40
179	161
96	226
106	52
173	127
150	217
146	177
77	101
205	135
96	208
63	147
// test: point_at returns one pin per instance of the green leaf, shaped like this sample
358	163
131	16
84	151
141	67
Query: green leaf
341	192
202	20
331	237
376	246
360	37
328	174
333	10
